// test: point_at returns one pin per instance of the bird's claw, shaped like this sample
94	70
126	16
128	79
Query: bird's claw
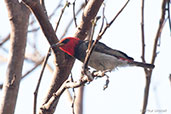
100	73
107	83
88	74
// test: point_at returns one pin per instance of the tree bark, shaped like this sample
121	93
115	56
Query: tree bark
78	104
19	18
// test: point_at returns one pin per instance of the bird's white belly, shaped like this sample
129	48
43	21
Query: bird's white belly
101	61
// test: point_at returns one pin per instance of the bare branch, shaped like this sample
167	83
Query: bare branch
74	96
78	104
159	31
60	74
75	19
69	84
60	17
89	13
149	73
170	78
29	71
39	81
89	49
19	17
142	32
50	16
108	25
168	10
42	17
54	11
70	22
5	39
32	69
143	35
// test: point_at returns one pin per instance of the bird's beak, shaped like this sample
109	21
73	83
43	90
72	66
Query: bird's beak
59	44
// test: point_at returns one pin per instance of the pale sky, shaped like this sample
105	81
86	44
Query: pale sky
126	88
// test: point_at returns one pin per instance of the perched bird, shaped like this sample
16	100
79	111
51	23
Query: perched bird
102	58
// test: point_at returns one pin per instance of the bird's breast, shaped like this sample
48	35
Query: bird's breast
101	61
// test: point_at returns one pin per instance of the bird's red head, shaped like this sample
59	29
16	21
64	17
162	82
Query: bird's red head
68	45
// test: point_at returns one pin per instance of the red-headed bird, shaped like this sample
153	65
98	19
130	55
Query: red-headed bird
102	57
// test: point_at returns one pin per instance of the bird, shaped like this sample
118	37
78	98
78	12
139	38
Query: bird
102	58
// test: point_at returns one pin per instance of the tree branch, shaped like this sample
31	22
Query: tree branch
40	77
62	11
67	84
70	22
154	55
19	17
142	32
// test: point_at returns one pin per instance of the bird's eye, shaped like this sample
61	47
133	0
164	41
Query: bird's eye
65	41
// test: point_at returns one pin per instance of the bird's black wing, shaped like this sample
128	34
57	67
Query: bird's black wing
101	47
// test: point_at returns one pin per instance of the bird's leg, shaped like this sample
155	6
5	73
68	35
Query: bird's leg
88	74
107	82
100	73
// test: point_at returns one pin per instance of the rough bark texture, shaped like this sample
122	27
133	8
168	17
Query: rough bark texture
19	17
89	13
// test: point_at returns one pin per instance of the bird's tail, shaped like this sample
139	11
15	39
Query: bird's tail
140	64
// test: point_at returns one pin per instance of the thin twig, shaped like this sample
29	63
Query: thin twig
5	39
89	50
103	18
158	35
75	19
66	85
50	16
32	69
108	25
70	22
60	17
142	32
74	96
38	84
92	32
34	30
54	11
170	78
28	72
1	86
143	35
169	18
